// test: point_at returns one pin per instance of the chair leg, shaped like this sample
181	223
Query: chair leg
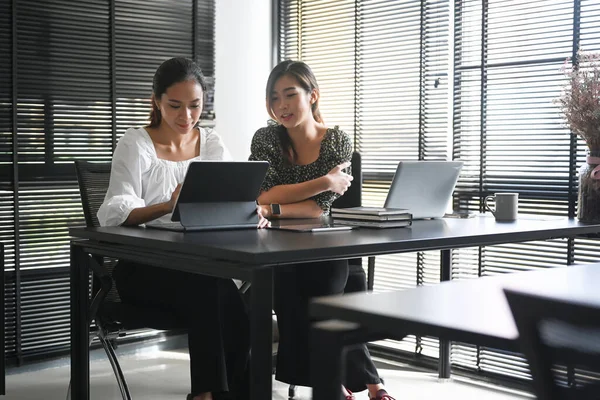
292	391
112	357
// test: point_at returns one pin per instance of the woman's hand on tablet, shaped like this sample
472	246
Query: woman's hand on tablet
174	198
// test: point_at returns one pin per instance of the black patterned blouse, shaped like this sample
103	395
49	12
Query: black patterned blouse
336	148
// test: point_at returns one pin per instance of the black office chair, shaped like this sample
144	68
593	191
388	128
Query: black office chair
353	196
561	341
112	318
357	279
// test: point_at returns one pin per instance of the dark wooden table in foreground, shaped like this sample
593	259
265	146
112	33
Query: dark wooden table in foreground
472	311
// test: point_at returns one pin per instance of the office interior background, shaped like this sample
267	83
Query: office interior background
473	80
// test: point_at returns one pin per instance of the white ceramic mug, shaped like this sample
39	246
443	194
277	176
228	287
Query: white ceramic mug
506	208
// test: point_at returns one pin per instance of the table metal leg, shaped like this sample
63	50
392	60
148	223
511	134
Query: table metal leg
327	358
444	356
80	356
261	332
371	274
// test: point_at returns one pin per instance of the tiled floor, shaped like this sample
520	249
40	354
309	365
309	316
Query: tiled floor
159	372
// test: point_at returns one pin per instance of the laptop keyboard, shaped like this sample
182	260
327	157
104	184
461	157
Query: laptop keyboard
171	225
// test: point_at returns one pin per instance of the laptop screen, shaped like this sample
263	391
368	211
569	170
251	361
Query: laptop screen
221	182
424	188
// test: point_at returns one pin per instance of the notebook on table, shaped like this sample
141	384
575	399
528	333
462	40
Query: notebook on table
374	224
217	195
371	213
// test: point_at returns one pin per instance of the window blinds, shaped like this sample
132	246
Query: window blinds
73	77
382	68
405	91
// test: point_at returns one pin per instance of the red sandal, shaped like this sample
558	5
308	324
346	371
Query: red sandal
382	395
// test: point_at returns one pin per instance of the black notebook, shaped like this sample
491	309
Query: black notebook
378	211
367	217
373	224
372	217
371	214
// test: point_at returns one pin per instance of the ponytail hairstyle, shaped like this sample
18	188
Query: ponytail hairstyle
170	72
302	73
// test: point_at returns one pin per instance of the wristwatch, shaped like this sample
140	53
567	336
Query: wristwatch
275	209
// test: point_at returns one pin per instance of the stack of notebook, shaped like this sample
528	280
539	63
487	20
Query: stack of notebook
372	217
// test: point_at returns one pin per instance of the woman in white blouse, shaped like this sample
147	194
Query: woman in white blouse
148	167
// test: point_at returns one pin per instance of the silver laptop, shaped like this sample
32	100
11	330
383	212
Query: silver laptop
424	188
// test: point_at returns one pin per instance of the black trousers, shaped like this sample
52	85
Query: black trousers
294	287
214	314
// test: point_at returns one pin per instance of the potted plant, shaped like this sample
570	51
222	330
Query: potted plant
580	105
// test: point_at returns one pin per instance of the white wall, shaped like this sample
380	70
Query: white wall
242	65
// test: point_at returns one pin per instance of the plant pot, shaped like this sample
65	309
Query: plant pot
588	201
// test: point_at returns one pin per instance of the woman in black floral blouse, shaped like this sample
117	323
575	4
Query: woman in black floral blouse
309	169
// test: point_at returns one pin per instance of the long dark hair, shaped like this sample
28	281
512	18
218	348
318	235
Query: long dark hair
307	80
170	72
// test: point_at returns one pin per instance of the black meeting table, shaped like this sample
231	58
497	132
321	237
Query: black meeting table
473	311
252	255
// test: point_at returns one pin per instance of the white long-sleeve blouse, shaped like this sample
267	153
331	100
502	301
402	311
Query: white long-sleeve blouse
139	178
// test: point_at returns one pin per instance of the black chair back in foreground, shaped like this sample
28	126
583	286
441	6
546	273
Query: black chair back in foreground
561	341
